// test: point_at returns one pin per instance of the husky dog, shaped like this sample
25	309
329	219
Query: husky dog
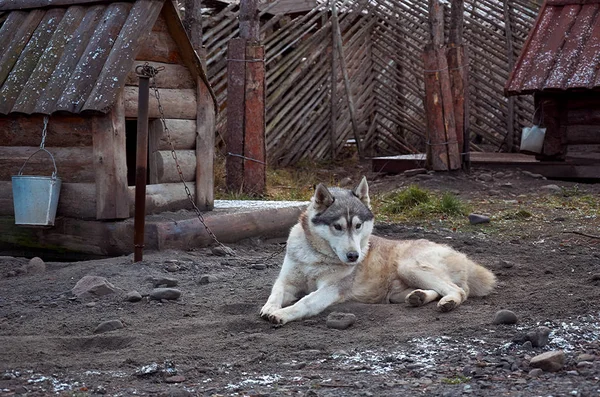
332	257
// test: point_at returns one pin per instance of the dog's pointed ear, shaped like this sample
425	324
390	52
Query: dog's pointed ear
322	198
362	192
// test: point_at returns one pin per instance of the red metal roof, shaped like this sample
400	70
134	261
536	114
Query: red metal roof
562	51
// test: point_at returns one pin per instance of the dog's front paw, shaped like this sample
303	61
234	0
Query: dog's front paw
278	317
267	310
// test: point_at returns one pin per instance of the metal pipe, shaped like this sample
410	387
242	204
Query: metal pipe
141	168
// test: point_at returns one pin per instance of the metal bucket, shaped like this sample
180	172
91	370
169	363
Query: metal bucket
35	198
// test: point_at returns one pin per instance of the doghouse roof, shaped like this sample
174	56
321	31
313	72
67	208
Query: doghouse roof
562	51
74	56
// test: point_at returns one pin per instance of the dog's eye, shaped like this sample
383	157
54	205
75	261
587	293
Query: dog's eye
337	227
358	225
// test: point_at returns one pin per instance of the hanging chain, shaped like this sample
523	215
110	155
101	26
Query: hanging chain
44	133
150	71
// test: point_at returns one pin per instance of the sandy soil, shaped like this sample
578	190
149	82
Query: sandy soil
211	340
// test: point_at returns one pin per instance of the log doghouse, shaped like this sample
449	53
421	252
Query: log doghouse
560	66
74	61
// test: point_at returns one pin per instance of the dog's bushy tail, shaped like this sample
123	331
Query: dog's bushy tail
481	280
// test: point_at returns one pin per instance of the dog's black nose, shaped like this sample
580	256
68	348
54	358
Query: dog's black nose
352	256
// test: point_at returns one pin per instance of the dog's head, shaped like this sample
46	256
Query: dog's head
342	220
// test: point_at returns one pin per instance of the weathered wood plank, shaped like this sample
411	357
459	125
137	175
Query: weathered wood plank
205	148
63	131
132	35
72	53
166	171
90	65
54	51
25	51
255	172
234	140
177	103
170	75
110	163
74	164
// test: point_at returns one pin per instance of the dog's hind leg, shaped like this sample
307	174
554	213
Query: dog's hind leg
428	280
420	297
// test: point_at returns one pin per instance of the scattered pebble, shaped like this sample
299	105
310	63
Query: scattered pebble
107	326
93	286
175	379
551	361
539	336
551	188
133	296
207	278
505	264
165	293
476	219
338	320
536	372
533	175
259	266
222	250
164	282
585	357
35	265
505	317
172	268
485	177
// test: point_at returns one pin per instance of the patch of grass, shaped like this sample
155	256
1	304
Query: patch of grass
457	380
415	203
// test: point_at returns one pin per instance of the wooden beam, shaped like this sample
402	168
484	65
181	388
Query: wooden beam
234	140
110	163
255	173
510	52
205	148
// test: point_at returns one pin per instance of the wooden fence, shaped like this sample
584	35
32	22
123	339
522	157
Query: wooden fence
382	45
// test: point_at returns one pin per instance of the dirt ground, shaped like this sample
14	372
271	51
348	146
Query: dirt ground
211	341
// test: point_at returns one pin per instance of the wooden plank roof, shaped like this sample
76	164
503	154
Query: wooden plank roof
562	51
76	57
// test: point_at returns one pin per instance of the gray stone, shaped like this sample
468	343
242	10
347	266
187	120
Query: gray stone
505	317
259	266
164	282
35	265
175	379
539	336
107	326
536	372
551	361
584	364
415	171
222	250
133	296
90	286
527	345
165	293
493	192
505	264
532	175
338	320
476	219
551	188
585	357
499	175
507	185
207	278
486	177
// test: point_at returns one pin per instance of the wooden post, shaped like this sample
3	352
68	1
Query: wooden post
246	160
510	114
334	79
192	22
442	151
458	70
110	163
349	98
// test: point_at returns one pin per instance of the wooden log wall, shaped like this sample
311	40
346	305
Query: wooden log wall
177	92
383	53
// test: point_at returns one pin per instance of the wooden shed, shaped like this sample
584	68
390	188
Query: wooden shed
75	62
560	65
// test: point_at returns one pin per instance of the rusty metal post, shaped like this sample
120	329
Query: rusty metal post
141	168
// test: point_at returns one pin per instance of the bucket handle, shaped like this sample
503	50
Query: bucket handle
33	154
